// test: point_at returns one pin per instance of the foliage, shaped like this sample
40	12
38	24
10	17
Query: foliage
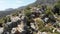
57	4
46	29
28	8
8	19
48	11
38	6
57	8
5	19
15	14
56	33
1	20
40	24
28	13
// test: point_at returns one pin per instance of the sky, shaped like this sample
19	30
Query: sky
5	4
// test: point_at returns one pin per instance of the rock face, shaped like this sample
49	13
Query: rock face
1	30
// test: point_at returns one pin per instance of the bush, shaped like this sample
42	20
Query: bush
46	29
48	11
57	4
15	14
40	24
28	13
56	8
2	20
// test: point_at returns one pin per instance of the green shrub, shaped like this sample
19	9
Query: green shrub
40	24
46	29
28	13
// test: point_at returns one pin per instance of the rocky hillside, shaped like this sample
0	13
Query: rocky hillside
39	19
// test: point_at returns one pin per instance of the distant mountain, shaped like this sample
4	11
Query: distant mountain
4	13
10	11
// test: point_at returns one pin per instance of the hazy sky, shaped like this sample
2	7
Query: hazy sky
5	4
